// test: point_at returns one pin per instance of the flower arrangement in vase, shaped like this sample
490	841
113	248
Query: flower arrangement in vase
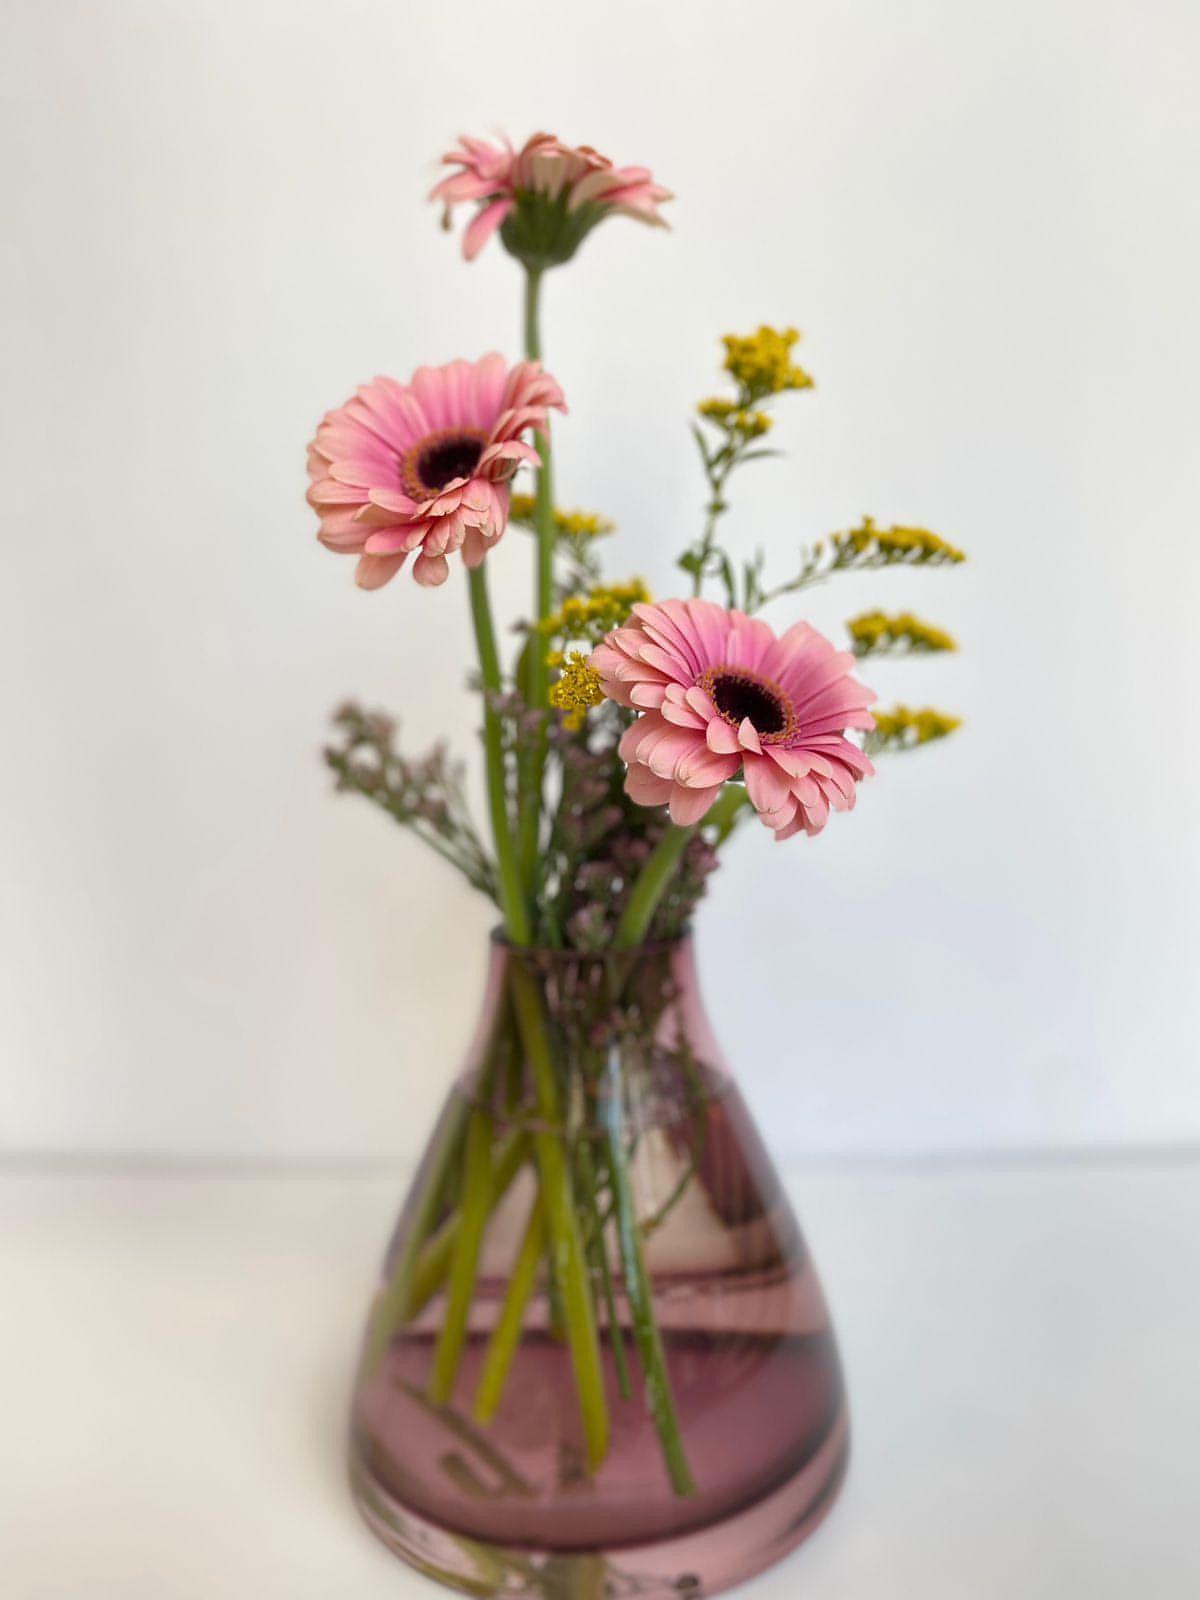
599	1361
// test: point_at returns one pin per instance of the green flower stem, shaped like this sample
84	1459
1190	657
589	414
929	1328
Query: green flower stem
566	1247
475	1207
476	1442
543	518
536	685
533	336
502	1346
395	1305
727	813
512	898
654	877
432	1265
597	1249
650	886
646	1336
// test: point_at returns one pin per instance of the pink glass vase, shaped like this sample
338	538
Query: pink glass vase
599	1362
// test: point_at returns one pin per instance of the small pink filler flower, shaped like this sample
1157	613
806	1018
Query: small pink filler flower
423	467
587	183
718	691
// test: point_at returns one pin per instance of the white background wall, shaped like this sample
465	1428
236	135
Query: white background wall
986	218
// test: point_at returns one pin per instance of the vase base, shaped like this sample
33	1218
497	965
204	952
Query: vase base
695	1566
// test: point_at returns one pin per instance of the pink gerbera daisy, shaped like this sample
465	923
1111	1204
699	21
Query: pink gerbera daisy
423	467
719	691
565	188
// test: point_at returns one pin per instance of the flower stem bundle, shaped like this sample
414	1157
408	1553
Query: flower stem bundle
624	742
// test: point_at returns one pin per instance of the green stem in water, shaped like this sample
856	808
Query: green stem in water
654	877
536	683
396	1303
475	1207
566	1246
566	1249
646	1336
502	1346
512	898
432	1265
597	1248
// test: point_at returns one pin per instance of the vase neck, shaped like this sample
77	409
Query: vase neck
628	1014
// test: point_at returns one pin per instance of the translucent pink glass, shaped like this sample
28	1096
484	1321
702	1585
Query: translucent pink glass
509	1505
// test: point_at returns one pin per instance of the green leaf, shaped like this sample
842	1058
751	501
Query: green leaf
702	446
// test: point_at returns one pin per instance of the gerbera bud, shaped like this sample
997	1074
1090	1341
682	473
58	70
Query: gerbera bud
544	198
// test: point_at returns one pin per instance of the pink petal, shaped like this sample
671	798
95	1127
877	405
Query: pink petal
430	571
373	572
666	752
649	696
644	789
689	805
680	713
701	768
767	786
721	737
484	226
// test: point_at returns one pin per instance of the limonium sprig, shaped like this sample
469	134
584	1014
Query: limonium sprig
425	794
625	739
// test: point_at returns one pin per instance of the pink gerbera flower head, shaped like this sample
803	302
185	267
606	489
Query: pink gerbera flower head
545	198
422	468
719	692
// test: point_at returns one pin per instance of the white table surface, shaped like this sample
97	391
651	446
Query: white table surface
1022	1344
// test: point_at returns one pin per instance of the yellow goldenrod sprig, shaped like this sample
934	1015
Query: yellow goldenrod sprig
904	729
761	366
590	616
577	688
761	363
567	524
858	549
876	633
734	419
872	546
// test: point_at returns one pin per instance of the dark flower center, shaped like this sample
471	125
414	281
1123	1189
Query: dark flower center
439	460
736	698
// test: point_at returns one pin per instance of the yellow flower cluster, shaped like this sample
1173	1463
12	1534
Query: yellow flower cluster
567	524
728	414
875	631
577	689
915	545
761	363
903	728
602	609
